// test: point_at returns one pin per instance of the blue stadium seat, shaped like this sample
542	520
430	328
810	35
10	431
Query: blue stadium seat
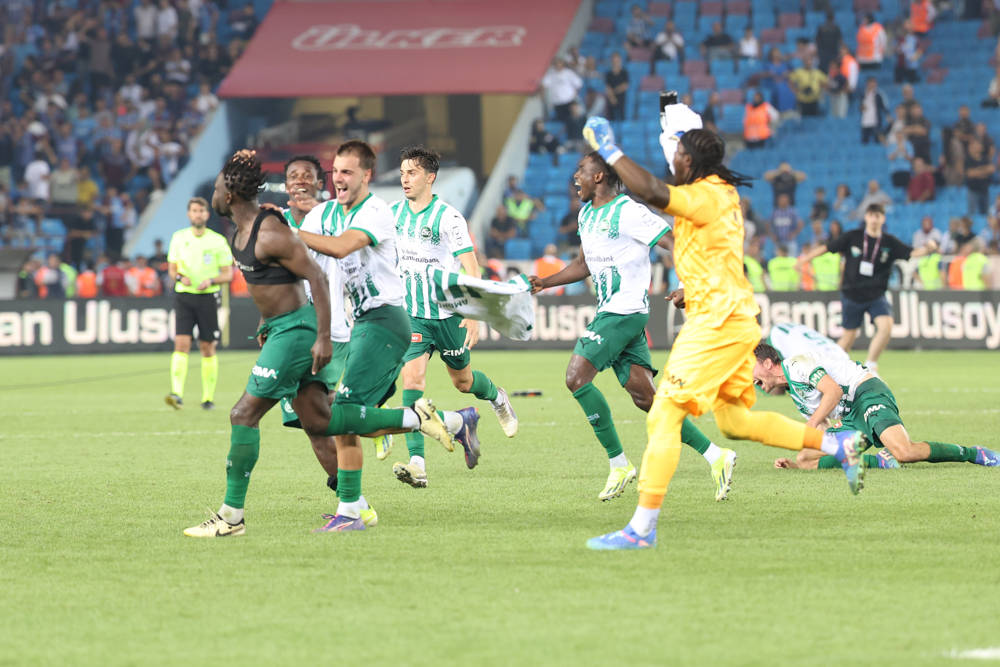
518	249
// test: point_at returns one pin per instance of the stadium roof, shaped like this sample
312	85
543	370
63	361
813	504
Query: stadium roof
400	47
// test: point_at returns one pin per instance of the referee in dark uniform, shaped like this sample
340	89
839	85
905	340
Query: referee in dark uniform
869	255
200	262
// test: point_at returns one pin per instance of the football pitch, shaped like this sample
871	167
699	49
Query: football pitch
488	566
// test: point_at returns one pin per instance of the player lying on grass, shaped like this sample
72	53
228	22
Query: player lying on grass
616	233
827	387
293	359
711	361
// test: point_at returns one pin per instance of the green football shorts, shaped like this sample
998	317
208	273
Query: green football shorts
285	361
873	411
379	340
445	336
333	370
616	341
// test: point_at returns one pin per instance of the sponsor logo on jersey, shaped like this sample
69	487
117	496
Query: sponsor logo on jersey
873	409
416	338
262	372
676	381
345	390
453	353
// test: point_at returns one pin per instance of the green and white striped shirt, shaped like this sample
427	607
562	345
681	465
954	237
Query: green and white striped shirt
805	371
370	276
317	221
434	236
616	239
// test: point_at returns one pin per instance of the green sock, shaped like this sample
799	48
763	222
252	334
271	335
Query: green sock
483	387
414	439
209	377
598	414
693	437
871	461
349	418
244	449
348	485
178	372
942	452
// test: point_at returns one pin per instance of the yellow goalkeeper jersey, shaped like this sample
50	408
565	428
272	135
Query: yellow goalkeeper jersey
708	251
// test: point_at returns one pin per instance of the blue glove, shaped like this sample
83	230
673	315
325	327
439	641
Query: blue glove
598	133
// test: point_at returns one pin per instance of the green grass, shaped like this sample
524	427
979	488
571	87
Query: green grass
484	566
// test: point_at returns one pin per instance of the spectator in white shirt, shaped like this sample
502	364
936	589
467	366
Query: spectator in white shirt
749	46
166	21
145	20
562	85
206	100
927	232
36	175
669	44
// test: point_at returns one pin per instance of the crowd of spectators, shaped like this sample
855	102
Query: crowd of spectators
99	102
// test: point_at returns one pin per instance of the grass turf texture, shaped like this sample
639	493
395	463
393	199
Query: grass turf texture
485	566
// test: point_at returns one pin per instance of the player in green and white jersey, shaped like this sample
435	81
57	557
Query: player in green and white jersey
361	235
431	233
616	234
828	387
304	179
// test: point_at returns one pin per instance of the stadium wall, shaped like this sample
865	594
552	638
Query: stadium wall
929	320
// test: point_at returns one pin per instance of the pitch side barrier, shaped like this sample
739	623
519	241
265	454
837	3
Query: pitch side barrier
929	320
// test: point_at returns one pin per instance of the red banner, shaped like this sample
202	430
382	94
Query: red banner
399	47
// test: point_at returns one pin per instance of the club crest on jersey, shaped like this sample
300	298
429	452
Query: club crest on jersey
425	233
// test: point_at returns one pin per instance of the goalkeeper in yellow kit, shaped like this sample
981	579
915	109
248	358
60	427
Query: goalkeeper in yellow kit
711	362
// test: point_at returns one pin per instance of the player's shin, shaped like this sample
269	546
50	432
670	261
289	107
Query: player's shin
482	387
178	372
598	413
414	439
243	452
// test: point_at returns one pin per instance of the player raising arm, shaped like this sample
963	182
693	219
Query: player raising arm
616	233
711	362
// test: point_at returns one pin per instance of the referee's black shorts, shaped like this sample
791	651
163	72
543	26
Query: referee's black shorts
201	309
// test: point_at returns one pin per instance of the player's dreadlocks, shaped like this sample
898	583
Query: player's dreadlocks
428	160
311	159
707	149
243	175
611	178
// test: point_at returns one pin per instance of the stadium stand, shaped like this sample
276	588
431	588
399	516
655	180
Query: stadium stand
99	102
956	62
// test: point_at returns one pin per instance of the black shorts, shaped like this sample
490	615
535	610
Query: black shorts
853	313
200	309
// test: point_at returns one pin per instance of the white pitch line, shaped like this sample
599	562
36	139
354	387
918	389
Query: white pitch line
992	653
101	434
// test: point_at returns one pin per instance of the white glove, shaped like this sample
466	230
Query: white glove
675	120
679	118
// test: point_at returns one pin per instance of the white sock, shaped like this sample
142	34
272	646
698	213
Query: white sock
418	461
713	453
829	444
410	419
644	521
498	401
452	421
232	515
364	503
872	365
618	461
352	510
